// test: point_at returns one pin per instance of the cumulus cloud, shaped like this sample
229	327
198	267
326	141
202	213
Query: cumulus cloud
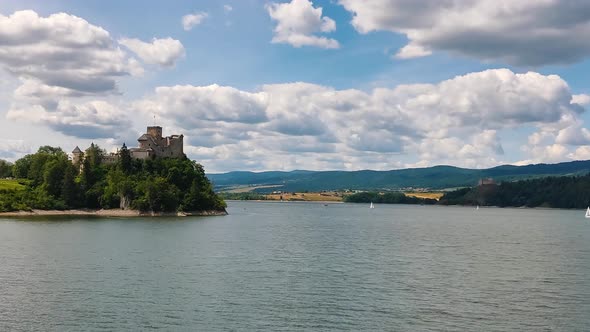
573	135
459	121
92	119
581	99
192	105
525	32
298	22
581	153
227	8
164	52
192	20
63	51
545	154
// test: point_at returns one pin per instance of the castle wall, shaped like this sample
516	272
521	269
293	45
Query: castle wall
176	147
151	144
140	154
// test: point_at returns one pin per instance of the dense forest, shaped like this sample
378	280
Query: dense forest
51	181
555	192
387	198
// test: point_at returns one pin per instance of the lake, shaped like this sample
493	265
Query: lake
300	266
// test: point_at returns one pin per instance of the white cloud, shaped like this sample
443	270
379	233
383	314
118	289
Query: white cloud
92	119
65	66
164	52
581	153
573	135
63	51
297	23
459	121
227	8
524	32
581	99
193	106
412	51
192	20
546	154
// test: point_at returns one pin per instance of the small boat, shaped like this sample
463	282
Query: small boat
477	208
372	206
588	213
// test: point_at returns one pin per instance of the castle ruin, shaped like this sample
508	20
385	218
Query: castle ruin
151	145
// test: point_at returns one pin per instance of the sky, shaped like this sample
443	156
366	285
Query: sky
317	85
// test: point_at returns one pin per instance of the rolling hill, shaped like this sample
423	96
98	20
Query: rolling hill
437	177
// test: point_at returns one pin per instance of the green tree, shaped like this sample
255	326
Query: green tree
163	184
70	192
21	167
53	177
5	169
125	160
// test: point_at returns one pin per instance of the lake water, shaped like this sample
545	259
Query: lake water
300	266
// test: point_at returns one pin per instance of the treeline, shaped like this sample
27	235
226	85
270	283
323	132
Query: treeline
387	198
54	182
554	192
246	196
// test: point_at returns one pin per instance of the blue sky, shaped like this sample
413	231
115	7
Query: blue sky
282	85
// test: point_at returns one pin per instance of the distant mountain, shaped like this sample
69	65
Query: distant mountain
437	177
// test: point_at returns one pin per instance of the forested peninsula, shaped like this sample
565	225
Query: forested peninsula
564	192
49	180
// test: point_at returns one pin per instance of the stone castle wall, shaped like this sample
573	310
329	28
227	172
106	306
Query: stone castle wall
151	145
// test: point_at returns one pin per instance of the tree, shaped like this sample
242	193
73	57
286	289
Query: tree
21	167
163	184
125	160
94	154
53	177
69	190
5	169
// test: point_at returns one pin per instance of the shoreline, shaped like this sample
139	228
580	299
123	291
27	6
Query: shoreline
283	201
110	213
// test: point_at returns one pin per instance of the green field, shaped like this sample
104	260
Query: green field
10	185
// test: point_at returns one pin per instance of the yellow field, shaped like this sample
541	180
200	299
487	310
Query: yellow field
246	189
307	197
434	195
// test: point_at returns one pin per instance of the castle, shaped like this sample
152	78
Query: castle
151	145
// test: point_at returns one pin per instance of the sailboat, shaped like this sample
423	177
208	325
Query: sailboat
477	208
588	212
373	206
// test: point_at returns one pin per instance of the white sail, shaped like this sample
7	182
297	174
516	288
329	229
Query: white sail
588	212
372	206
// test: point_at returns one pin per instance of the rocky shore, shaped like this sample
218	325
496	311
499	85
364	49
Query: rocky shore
110	213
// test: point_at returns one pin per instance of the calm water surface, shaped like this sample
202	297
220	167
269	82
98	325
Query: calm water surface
300	266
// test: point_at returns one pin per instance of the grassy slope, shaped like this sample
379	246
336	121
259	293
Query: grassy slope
10	185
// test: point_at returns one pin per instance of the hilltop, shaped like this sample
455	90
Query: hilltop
48	180
437	177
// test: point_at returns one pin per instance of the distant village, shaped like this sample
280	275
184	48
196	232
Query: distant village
151	145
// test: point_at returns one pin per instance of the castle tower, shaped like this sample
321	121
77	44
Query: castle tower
77	156
155	131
